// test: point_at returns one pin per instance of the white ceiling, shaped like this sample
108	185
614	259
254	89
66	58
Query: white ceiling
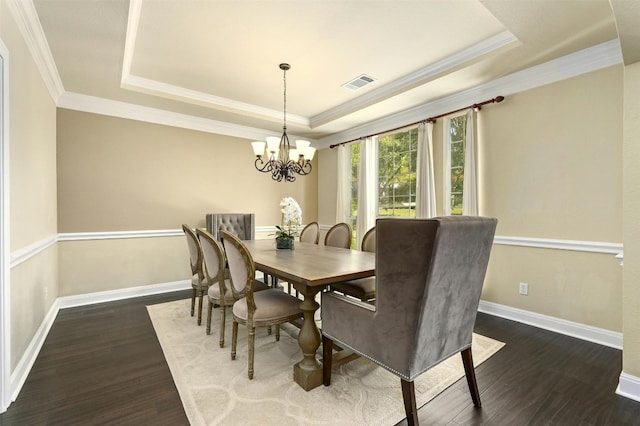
218	59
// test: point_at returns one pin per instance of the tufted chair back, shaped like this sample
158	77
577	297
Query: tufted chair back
240	224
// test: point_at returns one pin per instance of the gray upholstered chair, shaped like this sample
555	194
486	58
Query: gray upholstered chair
429	276
254	309
240	224
215	262
363	288
199	284
339	235
310	233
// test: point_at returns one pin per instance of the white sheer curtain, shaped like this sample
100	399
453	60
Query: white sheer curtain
344	184
367	188
425	181
470	184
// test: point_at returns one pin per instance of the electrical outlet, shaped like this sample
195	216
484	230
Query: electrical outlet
524	289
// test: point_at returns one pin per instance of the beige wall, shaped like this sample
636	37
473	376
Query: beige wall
116	175
32	186
631	289
553	157
102	265
551	167
124	175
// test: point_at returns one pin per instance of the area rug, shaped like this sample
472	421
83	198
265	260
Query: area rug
216	390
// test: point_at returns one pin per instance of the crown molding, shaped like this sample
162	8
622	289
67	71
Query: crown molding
584	61
26	18
169	91
24	13
96	105
449	64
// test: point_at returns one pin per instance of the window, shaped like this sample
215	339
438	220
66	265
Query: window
455	129
355	160
396	175
397	155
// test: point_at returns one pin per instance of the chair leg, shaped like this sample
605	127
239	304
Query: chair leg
200	307
234	339
409	396
223	315
251	346
470	372
327	355
277	332
209	312
193	301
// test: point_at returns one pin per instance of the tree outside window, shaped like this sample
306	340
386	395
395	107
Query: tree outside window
396	175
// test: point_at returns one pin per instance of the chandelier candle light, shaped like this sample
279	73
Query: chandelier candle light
283	162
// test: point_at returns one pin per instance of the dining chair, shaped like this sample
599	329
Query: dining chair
254	309
363	288
429	277
199	284
240	224
310	233
339	235
219	292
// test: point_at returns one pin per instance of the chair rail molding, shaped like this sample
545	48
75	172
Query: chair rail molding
21	255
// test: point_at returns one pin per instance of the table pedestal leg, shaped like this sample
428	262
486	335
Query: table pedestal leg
308	372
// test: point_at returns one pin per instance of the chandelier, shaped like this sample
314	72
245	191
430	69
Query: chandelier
283	162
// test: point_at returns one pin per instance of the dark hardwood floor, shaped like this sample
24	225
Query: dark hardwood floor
102	364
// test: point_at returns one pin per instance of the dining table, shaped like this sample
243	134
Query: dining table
310	268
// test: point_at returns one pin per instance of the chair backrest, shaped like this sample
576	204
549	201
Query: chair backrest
195	251
429	277
310	233
369	241
240	224
213	258
339	235
241	267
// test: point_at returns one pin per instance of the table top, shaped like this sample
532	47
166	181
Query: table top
311	264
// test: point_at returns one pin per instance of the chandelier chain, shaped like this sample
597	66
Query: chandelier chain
284	126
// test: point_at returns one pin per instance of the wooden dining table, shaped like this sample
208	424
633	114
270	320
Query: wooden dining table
310	268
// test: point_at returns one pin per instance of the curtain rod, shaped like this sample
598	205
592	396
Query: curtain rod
478	106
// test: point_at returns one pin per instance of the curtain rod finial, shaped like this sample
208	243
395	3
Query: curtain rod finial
499	99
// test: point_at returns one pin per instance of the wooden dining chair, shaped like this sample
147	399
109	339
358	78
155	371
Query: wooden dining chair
219	292
199	285
310	233
363	288
254	309
339	235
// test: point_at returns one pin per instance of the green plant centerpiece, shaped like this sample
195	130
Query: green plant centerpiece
291	220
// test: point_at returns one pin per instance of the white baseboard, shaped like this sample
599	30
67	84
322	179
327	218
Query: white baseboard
125	293
629	386
581	331
19	375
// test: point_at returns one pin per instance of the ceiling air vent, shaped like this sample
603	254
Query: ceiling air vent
359	82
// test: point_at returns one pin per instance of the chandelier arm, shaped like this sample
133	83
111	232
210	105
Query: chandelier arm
264	169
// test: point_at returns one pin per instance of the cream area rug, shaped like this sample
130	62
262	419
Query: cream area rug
216	390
